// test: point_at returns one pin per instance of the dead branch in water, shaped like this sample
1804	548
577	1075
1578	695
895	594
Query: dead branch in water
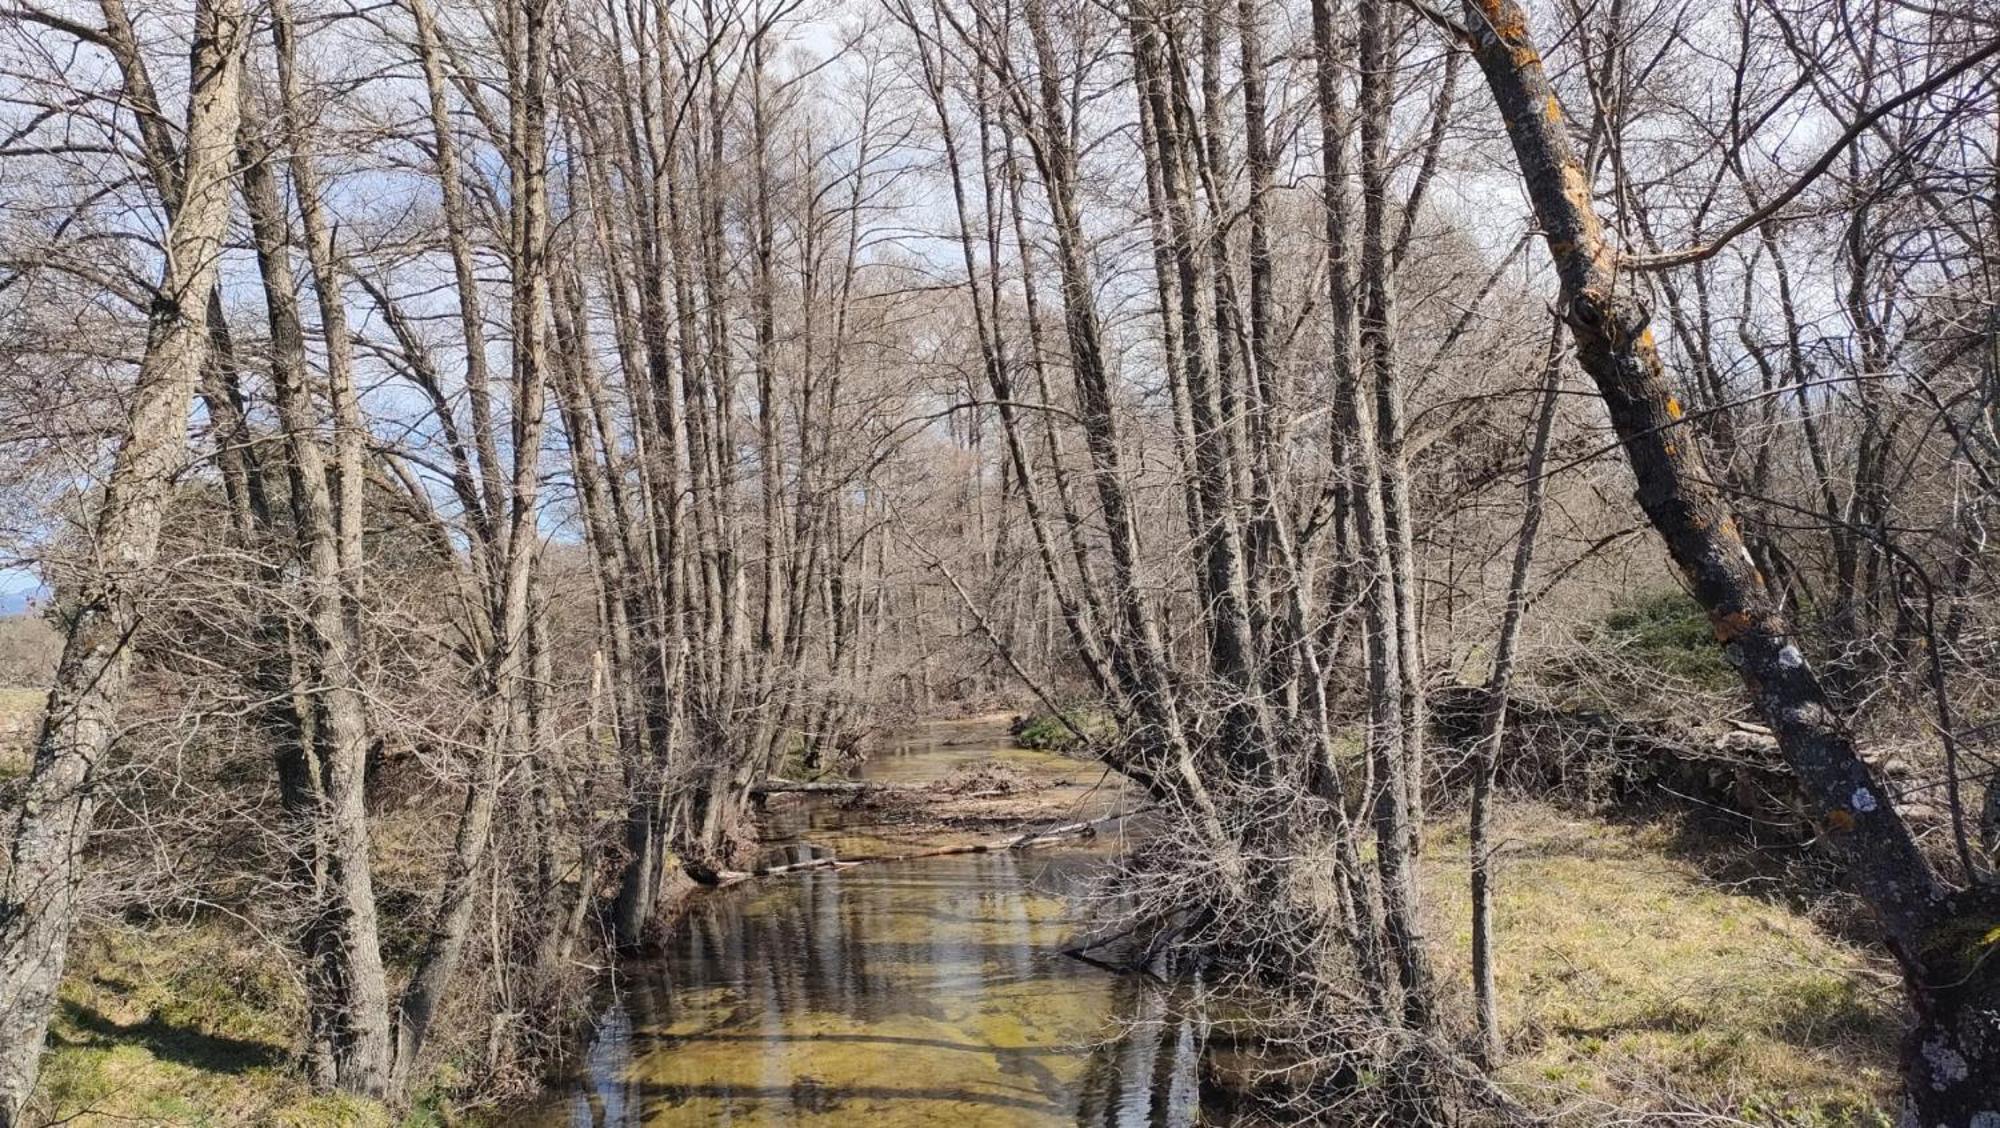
1028	840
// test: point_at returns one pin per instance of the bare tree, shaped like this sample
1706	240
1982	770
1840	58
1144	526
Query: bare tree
38	908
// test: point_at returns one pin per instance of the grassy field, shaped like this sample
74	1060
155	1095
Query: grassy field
183	1027
1630	980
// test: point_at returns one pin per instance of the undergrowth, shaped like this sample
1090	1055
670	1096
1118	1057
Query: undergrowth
1056	732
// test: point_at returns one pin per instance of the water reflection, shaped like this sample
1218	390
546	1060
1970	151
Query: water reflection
928	992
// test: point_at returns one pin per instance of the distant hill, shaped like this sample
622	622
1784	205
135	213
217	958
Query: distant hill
29	646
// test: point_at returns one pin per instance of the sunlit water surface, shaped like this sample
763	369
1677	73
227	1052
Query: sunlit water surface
924	992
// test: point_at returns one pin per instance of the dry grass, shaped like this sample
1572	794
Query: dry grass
20	714
1629	981
182	1027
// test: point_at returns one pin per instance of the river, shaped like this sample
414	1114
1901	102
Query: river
923	992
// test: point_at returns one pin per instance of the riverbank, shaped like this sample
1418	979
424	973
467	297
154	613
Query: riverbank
1633	975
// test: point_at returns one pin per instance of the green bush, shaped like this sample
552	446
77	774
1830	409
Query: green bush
1668	631
1048	732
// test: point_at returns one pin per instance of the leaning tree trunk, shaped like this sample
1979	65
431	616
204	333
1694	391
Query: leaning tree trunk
38	901
1945	941
508	602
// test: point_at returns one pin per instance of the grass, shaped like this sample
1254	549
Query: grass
1627	979
180	1026
1667	632
20	713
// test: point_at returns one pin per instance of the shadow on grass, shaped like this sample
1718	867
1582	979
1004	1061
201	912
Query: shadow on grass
183	1045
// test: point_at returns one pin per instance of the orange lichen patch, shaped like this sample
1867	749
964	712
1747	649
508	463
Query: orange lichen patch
1646	342
1507	20
1729	624
1672	450
1673	405
1553	109
1839	819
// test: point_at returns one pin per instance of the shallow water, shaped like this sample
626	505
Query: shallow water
908	993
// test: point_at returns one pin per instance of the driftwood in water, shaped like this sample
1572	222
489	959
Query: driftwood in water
860	788
1028	840
833	787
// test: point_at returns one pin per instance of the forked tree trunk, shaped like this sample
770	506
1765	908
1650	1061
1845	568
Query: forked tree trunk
1947	942
508	604
38	901
349	994
1388	745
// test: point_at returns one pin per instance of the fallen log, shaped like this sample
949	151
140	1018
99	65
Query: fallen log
1028	840
833	787
731	877
864	787
1598	757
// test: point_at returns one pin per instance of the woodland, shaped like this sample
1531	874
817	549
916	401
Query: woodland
465	460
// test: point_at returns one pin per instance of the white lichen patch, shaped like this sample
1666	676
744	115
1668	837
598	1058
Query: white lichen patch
1947	1067
1790	658
1862	800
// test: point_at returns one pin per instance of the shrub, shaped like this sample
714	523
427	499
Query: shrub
1053	732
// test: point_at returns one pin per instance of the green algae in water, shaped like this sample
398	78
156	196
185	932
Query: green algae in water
911	993
929	992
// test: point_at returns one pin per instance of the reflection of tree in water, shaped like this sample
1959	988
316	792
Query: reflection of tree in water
607	1095
869	943
1150	1073
950	942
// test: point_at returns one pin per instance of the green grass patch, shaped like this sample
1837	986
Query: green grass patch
1056	732
1627	977
1669	632
181	1026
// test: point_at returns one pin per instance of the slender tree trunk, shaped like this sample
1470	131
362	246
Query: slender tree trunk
348	983
1379	343
1493	719
503	669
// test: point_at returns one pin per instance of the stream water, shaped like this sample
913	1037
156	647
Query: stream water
923	992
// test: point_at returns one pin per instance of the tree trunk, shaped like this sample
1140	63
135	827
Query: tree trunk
347	982
1493	718
38	901
508	602
1943	940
